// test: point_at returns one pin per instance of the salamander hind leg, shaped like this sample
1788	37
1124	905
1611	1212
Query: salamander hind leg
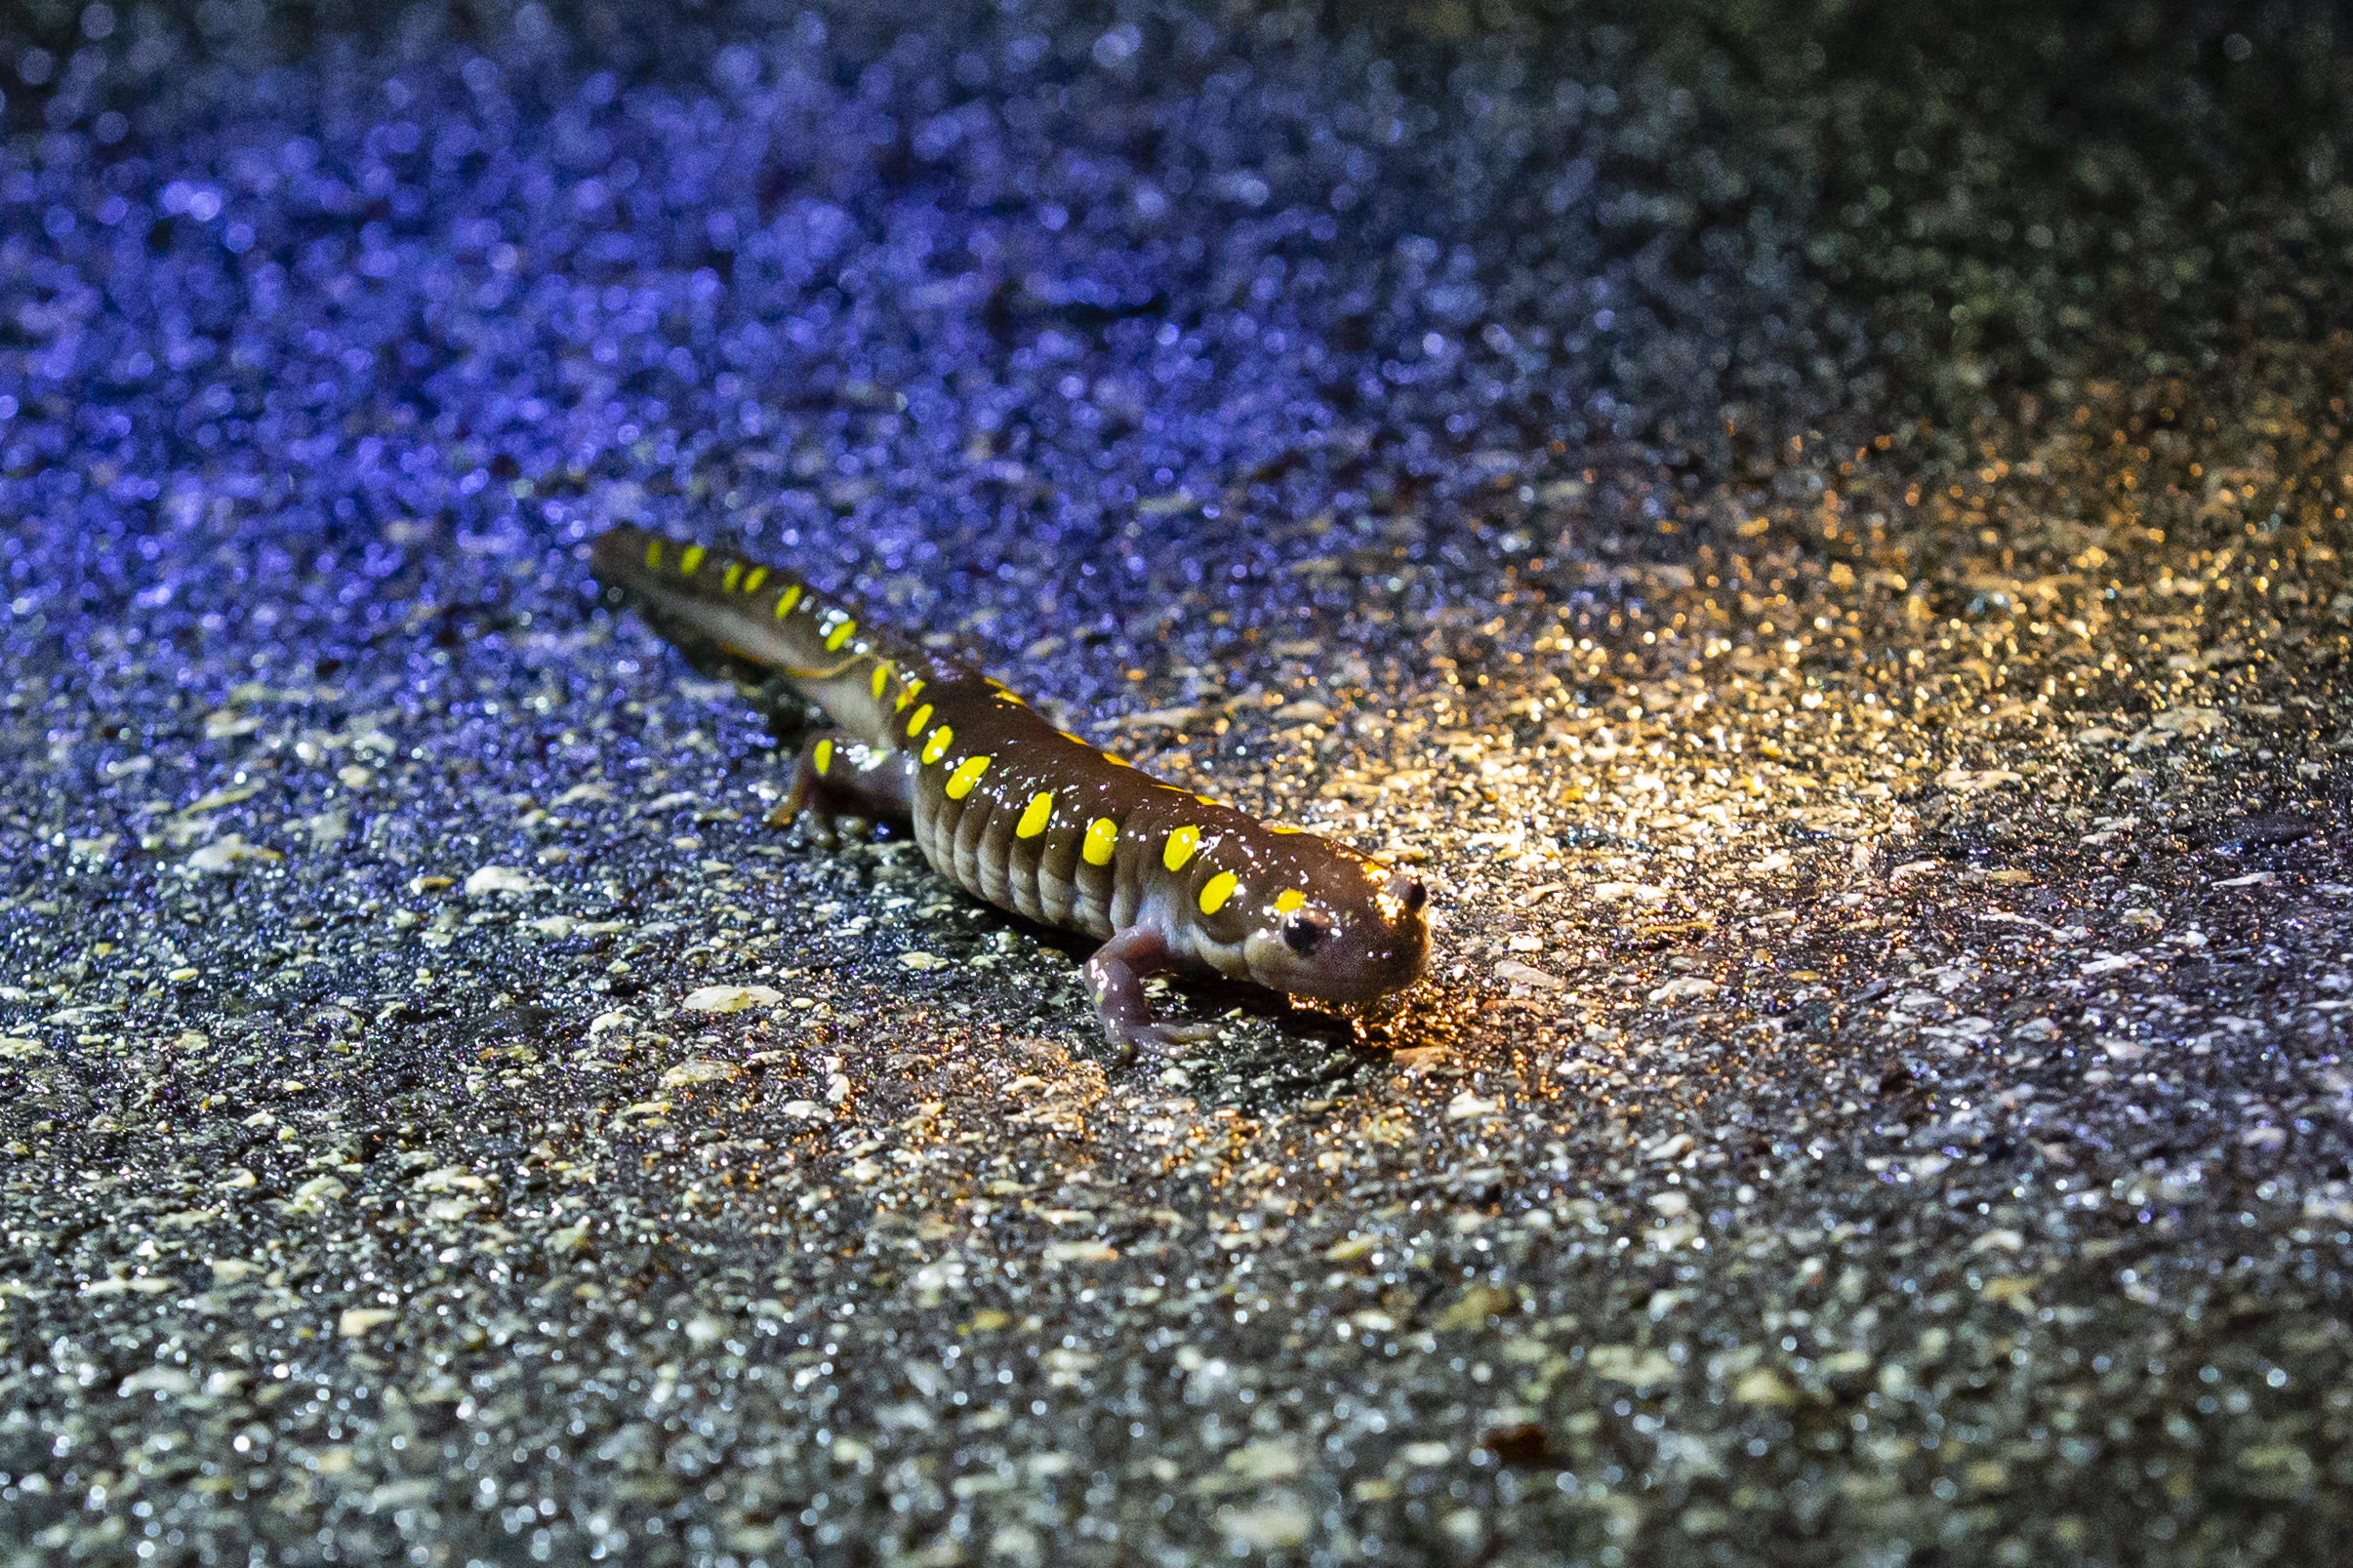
1114	975
837	775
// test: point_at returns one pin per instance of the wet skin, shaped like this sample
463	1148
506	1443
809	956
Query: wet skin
1027	817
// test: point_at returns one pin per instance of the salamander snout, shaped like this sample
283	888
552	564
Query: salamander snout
1362	938
1406	889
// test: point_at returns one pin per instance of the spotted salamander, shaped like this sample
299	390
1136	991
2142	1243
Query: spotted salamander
1024	816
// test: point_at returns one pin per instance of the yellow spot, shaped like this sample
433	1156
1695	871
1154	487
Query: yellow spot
841	634
1216	891
734	575
692	559
759	576
907	695
1102	837
914	726
1039	813
823	756
653	554
937	746
1289	898
1180	847
786	600
881	678
967	774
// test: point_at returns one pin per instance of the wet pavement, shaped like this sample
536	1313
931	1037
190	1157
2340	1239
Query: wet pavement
1822	545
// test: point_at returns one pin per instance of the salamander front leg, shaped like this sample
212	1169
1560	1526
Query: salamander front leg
840	777
1115	976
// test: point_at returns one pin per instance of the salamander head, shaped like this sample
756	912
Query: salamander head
1354	931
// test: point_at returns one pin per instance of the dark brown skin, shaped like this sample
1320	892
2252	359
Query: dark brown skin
1028	817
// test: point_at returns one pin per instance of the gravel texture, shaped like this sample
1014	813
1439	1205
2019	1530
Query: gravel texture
1820	538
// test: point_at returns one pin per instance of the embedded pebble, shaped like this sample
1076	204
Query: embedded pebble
227	852
700	1069
729	999
500	879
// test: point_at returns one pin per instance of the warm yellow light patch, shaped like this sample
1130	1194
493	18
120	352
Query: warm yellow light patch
841	634
1216	891
881	680
937	746
1289	898
967	774
786	600
653	554
759	576
1038	813
907	695
1180	847
1102	837
914	726
733	576
822	756
692	560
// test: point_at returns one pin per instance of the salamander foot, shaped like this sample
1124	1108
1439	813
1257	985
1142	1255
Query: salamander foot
1115	976
1151	1039
838	776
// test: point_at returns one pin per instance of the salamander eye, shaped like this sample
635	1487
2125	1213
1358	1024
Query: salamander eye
1303	933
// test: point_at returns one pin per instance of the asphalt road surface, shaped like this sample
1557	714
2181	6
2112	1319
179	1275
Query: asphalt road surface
1821	539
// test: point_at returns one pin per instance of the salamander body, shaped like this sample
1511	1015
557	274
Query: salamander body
1028	818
